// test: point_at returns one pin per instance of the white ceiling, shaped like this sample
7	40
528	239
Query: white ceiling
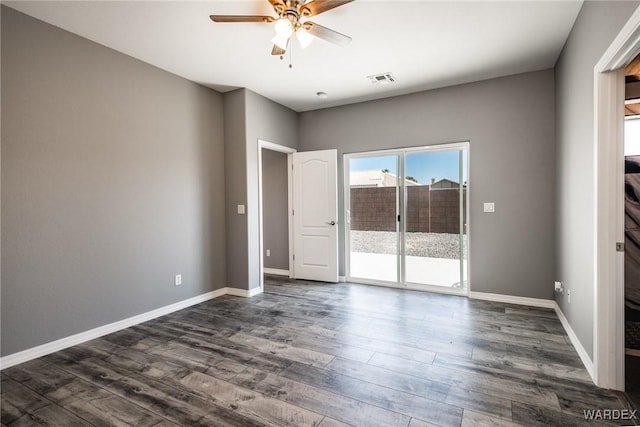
424	44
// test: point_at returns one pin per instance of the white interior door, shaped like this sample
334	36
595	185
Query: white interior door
315	206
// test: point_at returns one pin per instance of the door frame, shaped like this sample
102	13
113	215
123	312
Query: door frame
400	152
608	331
347	218
289	152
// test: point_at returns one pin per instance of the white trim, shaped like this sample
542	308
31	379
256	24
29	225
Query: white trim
582	352
292	264
509	299
61	344
346	211
342	279
276	271
289	152
543	303
468	213
253	292
275	147
624	47
243	292
57	345
608	296
608	302
401	235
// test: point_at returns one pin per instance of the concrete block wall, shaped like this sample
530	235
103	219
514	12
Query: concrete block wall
428	210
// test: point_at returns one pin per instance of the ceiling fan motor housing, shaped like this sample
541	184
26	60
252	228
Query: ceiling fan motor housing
292	10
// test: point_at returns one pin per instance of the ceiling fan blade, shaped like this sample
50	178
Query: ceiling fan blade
327	34
278	5
277	50
241	18
316	7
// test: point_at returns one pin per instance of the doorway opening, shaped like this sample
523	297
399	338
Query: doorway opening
632	231
275	205
406	218
608	366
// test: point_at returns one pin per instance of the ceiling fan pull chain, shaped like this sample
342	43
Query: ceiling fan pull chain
290	56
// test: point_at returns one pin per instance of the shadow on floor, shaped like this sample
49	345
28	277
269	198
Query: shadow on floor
632	373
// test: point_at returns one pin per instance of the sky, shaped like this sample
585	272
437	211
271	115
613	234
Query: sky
632	137
422	166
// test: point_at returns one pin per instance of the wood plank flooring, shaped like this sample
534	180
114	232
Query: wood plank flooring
314	354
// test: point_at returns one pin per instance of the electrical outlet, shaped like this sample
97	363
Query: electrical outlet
558	286
569	296
178	280
489	207
268	252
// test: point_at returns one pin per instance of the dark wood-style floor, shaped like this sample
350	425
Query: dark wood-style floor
317	354
632	379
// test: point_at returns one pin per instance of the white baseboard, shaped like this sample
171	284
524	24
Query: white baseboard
532	302
57	345
243	292
584	356
253	292
543	303
276	271
48	348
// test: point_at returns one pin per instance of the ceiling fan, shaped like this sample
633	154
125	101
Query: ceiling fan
291	15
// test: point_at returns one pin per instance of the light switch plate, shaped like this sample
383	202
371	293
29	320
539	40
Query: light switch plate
489	207
241	210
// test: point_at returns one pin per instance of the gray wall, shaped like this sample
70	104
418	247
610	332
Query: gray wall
275	213
510	125
112	183
235	154
597	25
115	176
268	121
248	118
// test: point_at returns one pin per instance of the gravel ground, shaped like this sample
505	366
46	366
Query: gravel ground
433	245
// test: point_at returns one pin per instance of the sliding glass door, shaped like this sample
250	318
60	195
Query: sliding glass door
406	214
374	194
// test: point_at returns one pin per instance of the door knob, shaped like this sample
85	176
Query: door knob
332	223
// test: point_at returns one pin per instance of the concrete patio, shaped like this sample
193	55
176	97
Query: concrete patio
421	270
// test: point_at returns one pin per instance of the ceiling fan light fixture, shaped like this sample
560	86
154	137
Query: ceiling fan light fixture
304	37
283	27
281	42
287	21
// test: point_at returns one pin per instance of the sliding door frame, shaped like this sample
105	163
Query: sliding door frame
402	210
347	217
